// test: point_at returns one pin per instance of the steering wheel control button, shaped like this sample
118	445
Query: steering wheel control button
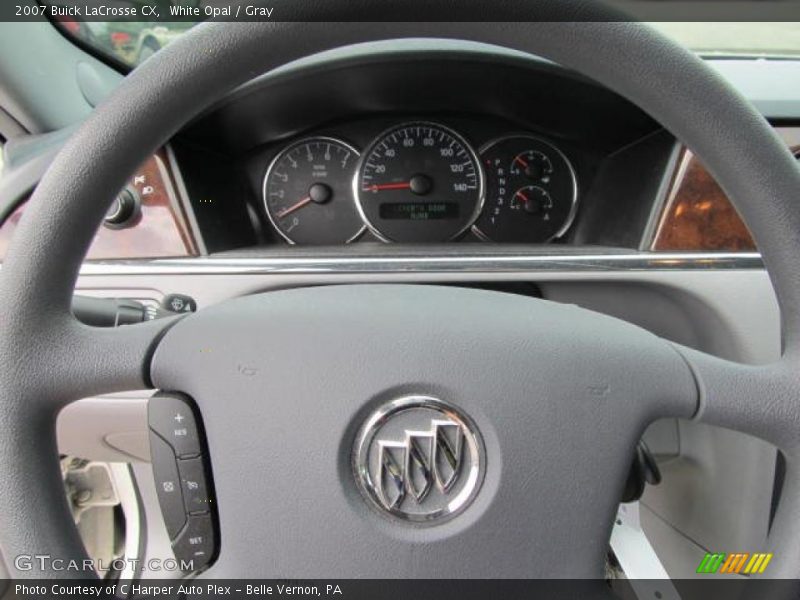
168	485
172	418
179	303
419	459
193	485
182	477
196	542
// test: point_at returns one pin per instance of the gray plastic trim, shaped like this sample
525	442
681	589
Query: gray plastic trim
108	429
42	87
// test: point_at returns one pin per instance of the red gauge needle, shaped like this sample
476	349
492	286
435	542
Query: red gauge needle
377	187
521	161
290	209
523	196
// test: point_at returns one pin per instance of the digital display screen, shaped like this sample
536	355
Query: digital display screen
420	211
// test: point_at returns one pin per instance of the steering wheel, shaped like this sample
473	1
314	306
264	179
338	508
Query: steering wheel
555	396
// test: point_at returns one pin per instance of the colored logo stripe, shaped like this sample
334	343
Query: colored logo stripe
734	563
710	563
758	563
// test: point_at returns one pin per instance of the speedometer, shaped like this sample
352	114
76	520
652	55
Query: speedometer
419	182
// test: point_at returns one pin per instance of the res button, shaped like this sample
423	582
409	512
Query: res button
171	417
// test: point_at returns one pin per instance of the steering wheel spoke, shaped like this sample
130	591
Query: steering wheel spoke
69	361
74	360
760	400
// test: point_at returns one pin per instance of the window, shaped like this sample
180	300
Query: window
128	42
736	39
134	42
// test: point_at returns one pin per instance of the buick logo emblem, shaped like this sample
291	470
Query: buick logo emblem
419	459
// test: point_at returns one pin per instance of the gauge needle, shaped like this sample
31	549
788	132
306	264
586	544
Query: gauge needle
377	187
523	196
521	161
290	209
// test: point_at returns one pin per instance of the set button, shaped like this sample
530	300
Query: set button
196	541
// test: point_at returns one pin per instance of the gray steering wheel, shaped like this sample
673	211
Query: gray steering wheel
525	371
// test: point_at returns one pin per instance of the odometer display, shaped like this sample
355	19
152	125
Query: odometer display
419	182
419	211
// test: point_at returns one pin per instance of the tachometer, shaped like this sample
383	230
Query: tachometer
419	182
308	193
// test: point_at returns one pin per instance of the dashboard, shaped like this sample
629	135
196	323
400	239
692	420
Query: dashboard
401	147
405	146
420	181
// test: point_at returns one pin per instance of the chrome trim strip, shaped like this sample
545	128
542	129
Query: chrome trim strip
465	263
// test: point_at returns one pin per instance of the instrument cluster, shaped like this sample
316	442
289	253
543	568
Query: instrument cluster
418	182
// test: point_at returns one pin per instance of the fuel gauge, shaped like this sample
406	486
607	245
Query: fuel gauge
533	165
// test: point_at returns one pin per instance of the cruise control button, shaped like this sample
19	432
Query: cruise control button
168	484
196	542
171	417
193	483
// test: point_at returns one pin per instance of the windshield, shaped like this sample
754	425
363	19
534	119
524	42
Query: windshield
736	39
128	42
133	42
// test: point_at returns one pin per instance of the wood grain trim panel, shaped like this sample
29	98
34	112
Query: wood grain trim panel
161	231
698	216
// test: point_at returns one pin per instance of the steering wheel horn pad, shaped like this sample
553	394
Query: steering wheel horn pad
284	380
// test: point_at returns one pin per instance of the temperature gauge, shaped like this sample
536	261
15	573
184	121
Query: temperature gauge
532	200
